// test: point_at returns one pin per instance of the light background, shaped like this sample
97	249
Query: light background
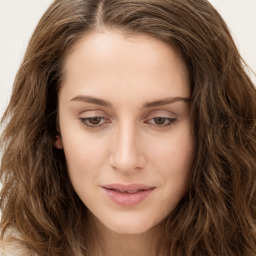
18	19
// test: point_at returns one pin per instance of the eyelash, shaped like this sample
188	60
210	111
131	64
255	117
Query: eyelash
167	122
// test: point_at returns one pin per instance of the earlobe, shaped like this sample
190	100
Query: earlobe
58	142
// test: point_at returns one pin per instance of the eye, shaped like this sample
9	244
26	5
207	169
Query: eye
161	121
94	122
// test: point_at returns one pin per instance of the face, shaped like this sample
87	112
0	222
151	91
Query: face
125	128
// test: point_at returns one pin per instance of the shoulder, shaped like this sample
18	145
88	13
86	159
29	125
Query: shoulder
11	249
10	246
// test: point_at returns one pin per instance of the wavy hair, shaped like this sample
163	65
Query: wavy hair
217	216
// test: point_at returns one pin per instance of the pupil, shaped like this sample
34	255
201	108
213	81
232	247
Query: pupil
159	120
95	120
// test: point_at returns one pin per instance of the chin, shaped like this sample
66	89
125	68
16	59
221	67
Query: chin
135	226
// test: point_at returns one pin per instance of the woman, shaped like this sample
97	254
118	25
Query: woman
130	131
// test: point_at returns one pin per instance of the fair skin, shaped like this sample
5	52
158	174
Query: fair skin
124	119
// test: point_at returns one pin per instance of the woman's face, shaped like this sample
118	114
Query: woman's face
125	128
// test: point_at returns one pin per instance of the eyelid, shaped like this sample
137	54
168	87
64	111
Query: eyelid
161	113
92	113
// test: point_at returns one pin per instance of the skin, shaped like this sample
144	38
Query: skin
128	142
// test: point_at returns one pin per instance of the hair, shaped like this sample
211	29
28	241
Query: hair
217	216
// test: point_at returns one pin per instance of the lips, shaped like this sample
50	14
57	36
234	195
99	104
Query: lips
127	195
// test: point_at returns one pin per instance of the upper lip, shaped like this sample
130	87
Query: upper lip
129	187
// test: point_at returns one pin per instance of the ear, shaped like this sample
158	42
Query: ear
58	142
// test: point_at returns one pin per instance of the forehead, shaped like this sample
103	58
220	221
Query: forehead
110	60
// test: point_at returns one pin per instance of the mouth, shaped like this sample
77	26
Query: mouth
128	191
127	195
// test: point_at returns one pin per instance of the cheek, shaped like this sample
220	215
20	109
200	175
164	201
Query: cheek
82	156
176	151
85	157
83	167
173	160
175	164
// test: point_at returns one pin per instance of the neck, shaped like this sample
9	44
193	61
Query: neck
127	245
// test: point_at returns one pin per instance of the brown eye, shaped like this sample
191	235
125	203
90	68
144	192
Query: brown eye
159	120
95	120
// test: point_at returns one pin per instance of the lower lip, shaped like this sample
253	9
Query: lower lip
127	199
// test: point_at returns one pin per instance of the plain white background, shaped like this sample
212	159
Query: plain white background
18	19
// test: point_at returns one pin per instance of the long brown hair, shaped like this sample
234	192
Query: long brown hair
217	216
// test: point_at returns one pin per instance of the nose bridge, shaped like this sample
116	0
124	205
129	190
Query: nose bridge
126	151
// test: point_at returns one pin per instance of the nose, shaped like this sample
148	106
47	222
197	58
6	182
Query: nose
127	154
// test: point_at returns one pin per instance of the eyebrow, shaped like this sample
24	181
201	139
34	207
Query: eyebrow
165	101
93	100
161	102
